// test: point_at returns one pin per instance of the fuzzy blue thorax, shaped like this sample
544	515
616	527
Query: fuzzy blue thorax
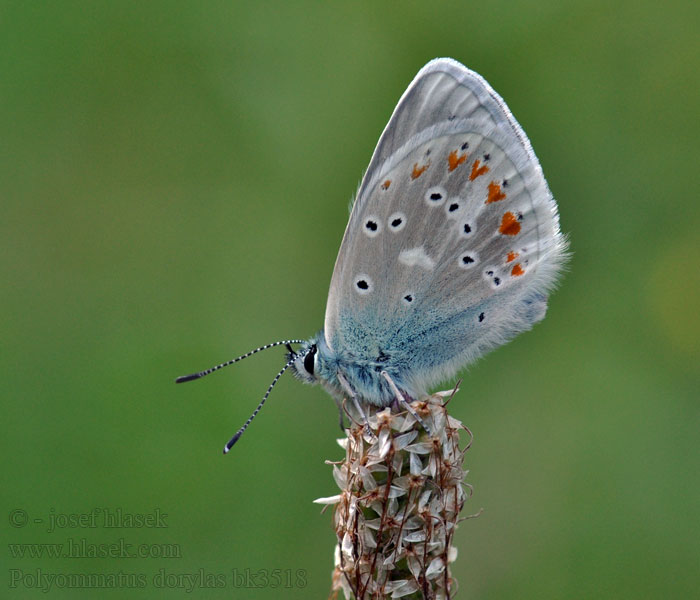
362	370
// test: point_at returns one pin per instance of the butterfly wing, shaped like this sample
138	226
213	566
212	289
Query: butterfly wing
453	240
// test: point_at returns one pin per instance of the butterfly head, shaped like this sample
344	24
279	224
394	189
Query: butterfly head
305	365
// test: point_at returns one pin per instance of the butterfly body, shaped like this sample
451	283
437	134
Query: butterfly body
452	245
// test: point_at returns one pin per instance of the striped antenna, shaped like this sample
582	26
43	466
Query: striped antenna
201	374
239	433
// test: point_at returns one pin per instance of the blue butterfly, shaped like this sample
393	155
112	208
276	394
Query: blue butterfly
452	246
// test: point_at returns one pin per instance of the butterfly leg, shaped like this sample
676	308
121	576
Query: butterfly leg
350	392
402	401
340	415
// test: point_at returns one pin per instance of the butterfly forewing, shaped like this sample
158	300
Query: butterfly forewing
453	238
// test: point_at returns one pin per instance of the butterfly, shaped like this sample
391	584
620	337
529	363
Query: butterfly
451	249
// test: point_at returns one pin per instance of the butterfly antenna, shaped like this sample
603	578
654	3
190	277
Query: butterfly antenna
287	343
239	433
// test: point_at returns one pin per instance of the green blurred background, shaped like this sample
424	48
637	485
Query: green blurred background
175	179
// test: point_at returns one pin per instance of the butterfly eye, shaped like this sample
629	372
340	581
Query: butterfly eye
309	360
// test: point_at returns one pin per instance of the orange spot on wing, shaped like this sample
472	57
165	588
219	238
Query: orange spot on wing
512	256
509	224
386	184
477	170
495	193
453	161
418	171
517	270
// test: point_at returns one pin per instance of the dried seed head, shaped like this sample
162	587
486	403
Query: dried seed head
401	492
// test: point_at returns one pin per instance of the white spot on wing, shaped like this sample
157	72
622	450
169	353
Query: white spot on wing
363	284
467	229
372	226
453	207
493	276
435	196
468	260
397	221
416	257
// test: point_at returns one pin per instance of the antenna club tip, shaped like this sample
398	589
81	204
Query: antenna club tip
232	441
184	378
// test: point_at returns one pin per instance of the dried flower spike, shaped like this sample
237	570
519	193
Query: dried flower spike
401	492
